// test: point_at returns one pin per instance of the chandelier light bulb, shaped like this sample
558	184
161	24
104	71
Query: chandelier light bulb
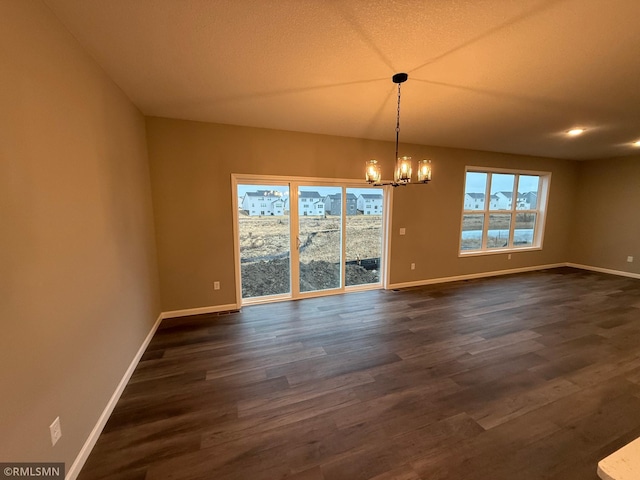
374	174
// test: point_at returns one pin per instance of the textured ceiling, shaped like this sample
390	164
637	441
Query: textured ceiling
497	75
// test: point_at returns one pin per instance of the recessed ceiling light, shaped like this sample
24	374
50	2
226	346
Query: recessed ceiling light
574	132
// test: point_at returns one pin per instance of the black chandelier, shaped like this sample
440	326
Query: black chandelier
403	170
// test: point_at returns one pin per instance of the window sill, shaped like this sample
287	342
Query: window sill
501	251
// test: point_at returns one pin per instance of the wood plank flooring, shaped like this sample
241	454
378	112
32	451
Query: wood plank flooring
528	376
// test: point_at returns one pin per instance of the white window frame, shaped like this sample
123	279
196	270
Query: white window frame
541	211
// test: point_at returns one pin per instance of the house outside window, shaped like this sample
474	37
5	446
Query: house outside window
503	210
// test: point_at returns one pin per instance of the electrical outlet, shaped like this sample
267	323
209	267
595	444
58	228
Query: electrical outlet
413	266
403	231
630	259
216	285
509	257
56	431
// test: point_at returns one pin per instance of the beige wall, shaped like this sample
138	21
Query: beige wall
607	224
191	165
432	233
77	254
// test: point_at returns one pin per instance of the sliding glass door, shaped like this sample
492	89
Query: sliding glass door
364	236
298	239
264	240
319	238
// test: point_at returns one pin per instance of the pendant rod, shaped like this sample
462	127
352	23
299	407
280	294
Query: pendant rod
398	123
398	78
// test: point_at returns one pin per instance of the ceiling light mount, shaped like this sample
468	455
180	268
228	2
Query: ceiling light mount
403	170
400	78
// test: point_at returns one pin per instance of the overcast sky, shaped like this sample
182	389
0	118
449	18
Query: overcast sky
477	183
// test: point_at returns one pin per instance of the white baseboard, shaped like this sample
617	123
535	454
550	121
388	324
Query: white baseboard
77	465
471	276
496	273
199	311
80	460
604	270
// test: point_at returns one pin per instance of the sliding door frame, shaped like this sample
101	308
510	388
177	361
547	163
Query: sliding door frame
293	183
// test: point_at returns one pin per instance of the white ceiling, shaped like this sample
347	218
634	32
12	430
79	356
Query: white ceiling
497	75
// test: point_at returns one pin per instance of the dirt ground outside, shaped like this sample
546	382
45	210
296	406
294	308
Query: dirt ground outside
498	221
265	245
262	238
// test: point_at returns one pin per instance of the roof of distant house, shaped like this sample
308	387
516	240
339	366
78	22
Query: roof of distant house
262	193
338	196
309	195
477	196
528	194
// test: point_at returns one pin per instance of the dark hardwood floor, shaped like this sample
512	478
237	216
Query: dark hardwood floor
528	376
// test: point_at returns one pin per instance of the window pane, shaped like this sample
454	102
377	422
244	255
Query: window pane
501	191
263	227
472	232
474	191
528	192
363	250
319	237
498	233
525	226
